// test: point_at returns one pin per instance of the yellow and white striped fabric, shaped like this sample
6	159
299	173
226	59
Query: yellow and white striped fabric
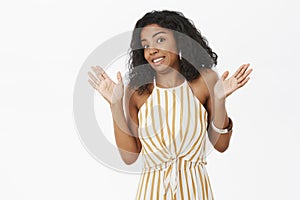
172	129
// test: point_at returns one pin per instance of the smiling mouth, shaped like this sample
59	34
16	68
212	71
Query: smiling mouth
158	61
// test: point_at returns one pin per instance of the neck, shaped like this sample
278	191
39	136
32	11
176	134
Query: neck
171	80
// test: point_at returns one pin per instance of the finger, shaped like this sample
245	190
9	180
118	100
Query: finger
98	73
119	77
104	74
224	76
93	84
243	82
241	73
246	74
101	71
95	80
238	71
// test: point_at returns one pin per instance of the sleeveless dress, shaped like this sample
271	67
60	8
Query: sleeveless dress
172	130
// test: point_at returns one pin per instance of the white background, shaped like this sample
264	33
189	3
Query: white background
43	45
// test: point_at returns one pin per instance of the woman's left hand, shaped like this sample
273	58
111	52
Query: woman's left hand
224	87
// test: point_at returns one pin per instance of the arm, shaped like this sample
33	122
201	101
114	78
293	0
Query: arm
219	90
124	129
217	112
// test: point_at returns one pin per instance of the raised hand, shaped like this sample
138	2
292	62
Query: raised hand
225	87
111	91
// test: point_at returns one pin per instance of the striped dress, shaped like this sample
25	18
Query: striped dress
172	130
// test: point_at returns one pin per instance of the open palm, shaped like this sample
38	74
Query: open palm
224	87
111	91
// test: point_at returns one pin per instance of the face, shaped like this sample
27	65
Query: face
160	48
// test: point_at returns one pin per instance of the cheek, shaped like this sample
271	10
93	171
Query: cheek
174	57
174	48
146	55
170	49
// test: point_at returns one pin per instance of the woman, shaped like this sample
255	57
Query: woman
173	100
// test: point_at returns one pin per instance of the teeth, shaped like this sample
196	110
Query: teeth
158	59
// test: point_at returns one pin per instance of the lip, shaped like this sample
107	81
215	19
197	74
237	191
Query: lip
159	62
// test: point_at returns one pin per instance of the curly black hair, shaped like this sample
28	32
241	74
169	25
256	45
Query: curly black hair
196	54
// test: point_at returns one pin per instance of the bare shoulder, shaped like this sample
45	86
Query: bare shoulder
130	97
209	76
203	85
134	99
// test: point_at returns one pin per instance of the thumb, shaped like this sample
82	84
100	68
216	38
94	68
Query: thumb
119	77
224	75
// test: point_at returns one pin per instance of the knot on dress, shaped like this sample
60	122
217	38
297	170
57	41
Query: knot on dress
172	169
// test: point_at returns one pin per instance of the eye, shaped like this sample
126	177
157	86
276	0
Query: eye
145	46
159	40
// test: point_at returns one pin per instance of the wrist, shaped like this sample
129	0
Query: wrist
225	130
219	100
219	95
116	103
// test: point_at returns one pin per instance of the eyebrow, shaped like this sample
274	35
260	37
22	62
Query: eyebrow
160	32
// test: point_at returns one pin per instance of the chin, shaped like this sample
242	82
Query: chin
161	68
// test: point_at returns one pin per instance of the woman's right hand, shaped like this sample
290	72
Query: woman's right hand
111	91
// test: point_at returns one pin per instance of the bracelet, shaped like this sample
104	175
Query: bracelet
222	131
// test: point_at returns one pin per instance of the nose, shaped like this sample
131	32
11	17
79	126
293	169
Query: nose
152	51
